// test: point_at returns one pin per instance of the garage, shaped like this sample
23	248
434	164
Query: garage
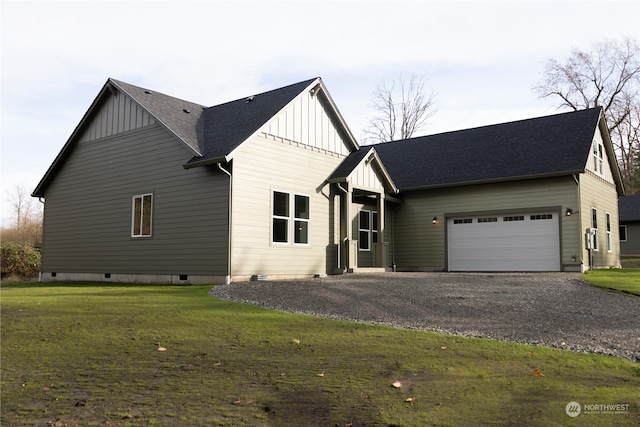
512	242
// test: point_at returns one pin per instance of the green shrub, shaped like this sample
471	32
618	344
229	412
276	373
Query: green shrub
19	260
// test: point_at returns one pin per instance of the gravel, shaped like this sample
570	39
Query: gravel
557	310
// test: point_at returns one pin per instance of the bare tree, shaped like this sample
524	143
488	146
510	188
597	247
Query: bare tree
607	76
27	216
401	111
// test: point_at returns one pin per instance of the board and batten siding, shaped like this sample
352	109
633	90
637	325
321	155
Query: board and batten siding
116	114
421	245
88	210
265	164
599	193
308	121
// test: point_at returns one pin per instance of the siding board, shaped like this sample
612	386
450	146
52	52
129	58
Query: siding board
88	209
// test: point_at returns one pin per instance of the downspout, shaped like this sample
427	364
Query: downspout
229	275
582	243
347	227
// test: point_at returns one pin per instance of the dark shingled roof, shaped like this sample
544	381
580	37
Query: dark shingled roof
629	208
350	163
546	146
169	111
224	127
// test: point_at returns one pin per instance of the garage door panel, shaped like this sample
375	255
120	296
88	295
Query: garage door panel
513	243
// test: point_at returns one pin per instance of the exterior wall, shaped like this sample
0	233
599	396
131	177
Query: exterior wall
309	122
268	163
117	114
421	245
632	246
88	210
599	193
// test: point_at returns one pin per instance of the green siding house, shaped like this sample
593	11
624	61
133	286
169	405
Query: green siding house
151	188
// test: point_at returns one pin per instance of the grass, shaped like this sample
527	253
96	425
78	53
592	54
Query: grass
84	354
625	280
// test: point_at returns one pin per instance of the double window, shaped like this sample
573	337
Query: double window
141	217
290	218
367	229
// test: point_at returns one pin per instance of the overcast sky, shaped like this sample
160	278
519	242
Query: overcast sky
480	57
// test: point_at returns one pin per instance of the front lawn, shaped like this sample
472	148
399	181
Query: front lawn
85	354
622	280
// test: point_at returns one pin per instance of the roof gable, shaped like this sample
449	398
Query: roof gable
364	169
546	146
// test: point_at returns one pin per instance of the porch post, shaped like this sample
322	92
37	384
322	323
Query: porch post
351	256
380	248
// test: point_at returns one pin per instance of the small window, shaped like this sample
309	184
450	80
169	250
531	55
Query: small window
301	217
280	221
463	221
608	218
492	219
364	230
513	218
594	226
141	216
598	157
541	217
623	233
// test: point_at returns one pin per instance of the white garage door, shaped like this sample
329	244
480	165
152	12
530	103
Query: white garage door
520	242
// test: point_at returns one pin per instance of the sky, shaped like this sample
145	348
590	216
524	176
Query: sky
480	58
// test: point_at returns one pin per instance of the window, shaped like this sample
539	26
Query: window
367	229
513	218
594	226
541	217
463	221
598	157
301	216
141	216
623	233
282	220
492	219
608	216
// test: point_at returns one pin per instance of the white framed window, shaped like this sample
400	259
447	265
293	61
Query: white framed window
598	157
608	217
290	218
141	215
367	229
594	227
623	233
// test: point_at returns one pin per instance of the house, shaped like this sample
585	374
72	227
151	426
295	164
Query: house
151	188
629	212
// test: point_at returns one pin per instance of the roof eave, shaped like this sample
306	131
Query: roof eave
213	161
493	181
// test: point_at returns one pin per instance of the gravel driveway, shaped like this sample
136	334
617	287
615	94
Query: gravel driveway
550	309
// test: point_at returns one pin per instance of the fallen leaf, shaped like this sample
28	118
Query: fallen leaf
295	341
161	348
237	402
218	363
444	347
537	373
410	399
321	374
397	384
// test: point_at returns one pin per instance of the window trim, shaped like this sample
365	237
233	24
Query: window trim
372	231
608	231
141	197
290	218
598	157
594	226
